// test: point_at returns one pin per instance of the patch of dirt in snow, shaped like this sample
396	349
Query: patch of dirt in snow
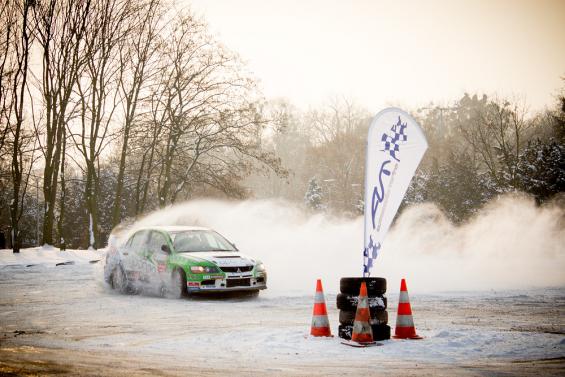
35	361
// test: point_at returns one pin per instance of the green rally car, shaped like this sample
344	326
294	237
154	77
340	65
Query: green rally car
179	260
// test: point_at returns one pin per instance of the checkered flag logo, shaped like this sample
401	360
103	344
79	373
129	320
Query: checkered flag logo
391	143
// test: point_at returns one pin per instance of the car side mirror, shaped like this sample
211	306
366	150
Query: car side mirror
166	249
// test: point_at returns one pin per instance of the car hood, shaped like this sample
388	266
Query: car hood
221	258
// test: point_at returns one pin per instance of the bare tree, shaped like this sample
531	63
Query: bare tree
8	24
495	130
337	118
146	168
97	89
17	47
62	25
210	121
137	52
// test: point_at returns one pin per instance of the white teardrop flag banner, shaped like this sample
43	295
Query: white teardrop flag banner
395	147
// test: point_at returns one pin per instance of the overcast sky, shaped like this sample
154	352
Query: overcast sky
403	53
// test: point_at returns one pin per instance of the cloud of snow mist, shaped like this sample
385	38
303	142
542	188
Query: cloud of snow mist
510	244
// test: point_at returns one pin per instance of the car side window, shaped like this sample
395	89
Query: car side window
157	240
130	241
138	240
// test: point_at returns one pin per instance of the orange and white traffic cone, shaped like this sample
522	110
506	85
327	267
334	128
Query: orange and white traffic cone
362	332
404	322
320	322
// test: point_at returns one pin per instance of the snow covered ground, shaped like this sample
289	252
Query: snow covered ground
47	256
64	319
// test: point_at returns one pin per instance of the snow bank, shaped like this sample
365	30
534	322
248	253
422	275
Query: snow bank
47	255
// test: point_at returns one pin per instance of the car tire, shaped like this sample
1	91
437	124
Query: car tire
348	302
380	332
118	280
177	287
351	286
378	317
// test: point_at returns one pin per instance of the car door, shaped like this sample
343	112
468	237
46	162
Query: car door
134	255
158	256
125	252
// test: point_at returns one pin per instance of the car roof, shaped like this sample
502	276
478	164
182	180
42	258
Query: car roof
167	228
173	228
177	228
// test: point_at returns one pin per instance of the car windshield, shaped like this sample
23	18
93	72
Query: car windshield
200	241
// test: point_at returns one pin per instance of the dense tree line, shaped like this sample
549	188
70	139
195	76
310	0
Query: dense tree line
111	108
480	148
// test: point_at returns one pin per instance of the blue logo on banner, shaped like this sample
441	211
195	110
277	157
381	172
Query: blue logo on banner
373	249
378	197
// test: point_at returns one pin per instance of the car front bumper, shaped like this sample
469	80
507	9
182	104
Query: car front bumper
231	282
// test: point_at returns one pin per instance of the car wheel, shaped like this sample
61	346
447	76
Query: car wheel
177	287
119	280
378	317
351	286
380	332
348	302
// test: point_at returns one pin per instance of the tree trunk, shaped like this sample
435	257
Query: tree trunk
140	173
117	212
17	154
50	183
156	131
47	236
92	206
61	219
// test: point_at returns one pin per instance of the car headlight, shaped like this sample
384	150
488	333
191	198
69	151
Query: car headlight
260	267
203	269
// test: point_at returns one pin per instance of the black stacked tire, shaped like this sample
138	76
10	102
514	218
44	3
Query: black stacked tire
351	286
380	332
378	318
347	303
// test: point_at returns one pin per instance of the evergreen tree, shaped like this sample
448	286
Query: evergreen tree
455	186
541	169
314	196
